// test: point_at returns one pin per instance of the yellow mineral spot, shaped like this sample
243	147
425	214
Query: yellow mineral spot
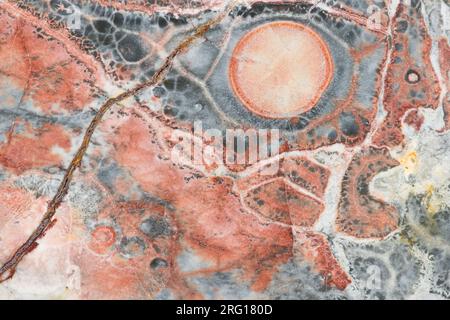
432	201
409	162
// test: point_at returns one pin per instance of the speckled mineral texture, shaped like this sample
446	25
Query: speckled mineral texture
128	131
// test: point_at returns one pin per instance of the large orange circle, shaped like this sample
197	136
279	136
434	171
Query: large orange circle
280	69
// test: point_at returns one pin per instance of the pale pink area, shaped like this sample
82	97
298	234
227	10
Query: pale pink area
280	69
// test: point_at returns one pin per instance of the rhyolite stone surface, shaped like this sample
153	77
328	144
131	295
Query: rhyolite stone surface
351	202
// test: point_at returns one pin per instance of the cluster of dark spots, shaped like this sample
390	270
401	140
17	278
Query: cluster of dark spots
155	227
362	185
259	8
132	246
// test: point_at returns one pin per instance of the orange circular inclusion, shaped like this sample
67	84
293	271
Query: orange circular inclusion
280	69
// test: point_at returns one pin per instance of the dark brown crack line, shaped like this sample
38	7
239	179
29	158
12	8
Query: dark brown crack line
9	267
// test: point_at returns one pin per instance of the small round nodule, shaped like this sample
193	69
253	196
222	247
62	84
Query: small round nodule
412	77
280	69
158	263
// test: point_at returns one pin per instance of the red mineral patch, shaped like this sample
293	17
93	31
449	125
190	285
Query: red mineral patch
278	201
410	83
414	119
33	148
136	150
360	214
314	248
214	224
299	170
103	237
444	62
130	253
307	174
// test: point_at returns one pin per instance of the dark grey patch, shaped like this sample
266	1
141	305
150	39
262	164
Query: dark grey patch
155	227
102	26
441	274
297	281
402	26
222	285
118	19
170	111
348	125
169	84
385	270
158	263
162	22
132	48
159	92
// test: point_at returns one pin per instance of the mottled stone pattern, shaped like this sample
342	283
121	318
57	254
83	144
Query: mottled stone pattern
128	131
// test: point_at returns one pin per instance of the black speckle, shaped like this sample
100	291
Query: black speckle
162	23
169	84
